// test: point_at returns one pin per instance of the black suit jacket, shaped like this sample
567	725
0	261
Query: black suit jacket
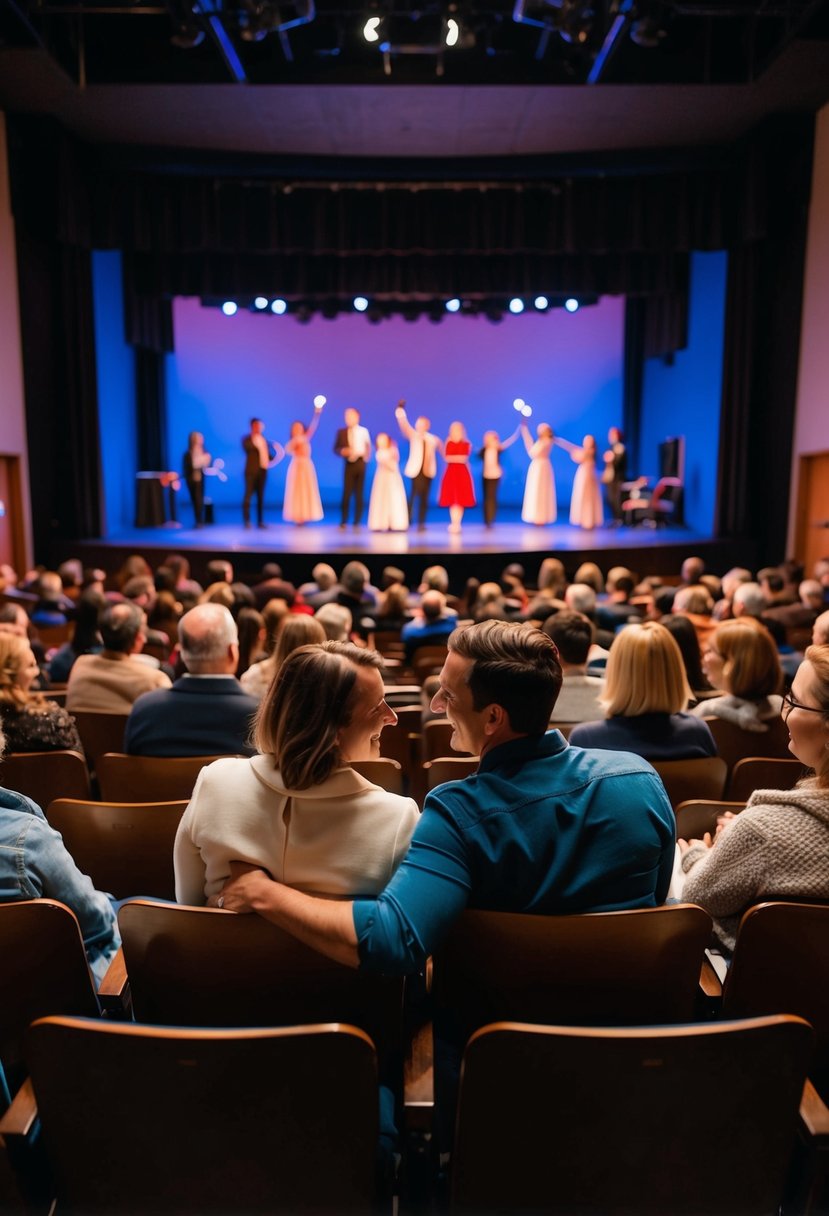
204	716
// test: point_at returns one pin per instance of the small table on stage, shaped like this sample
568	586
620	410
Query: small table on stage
150	509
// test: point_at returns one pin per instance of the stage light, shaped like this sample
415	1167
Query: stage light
229	308
516	306
541	302
518	404
527	411
453	32
453	305
370	29
260	302
319	401
278	307
572	305
360	303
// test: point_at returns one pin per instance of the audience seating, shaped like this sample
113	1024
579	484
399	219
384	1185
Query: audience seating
126	848
100	733
762	773
449	768
388	643
44	776
684	779
386	773
406	695
655	1120
124	778
427	661
51	636
697	816
436	736
734	743
564	727
139	1119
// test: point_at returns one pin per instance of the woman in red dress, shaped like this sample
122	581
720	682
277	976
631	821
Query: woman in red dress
456	490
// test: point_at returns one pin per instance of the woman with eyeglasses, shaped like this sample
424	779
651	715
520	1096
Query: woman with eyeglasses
741	659
779	845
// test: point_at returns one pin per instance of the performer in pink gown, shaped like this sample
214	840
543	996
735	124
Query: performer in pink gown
387	507
586	510
302	502
456	490
540	487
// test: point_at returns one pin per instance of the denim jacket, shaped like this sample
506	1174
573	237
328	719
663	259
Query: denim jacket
34	864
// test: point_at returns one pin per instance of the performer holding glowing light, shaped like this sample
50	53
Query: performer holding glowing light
302	502
540	487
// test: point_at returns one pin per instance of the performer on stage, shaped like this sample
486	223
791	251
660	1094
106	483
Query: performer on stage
540	487
422	464
456	490
259	457
586	500
492	474
353	443
615	472
195	461
302	503
387	509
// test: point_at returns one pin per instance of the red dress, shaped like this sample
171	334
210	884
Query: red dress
456	489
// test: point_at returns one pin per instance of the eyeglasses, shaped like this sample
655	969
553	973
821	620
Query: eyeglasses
789	704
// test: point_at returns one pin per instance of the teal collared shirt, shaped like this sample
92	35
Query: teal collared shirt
542	827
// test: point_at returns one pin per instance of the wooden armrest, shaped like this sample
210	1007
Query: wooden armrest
114	992
419	1080
19	1119
813	1113
709	981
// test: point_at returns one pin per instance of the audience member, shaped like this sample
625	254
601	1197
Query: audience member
685	636
731	580
691	571
111	681
206	712
85	637
646	694
295	631
431	628
336	621
392	611
14	619
31	723
298	809
742	661
218	593
804	612
53	608
820	630
616	609
251	627
695	603
272	586
572	634
589	573
324	588
356	593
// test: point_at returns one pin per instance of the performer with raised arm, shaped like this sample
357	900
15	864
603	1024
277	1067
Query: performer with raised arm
302	502
422	464
260	455
387	509
586	500
195	461
540	487
456	489
614	473
353	443
492	474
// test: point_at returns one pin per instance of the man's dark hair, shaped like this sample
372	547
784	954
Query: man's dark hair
515	666
120	626
572	633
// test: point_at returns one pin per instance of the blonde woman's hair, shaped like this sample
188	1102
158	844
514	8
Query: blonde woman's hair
13	652
751	667
309	701
645	673
297	630
818	656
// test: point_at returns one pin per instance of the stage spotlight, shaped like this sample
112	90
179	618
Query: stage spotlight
319	401
516	306
229	308
260	302
541	302
453	305
518	404
572	305
453	32
370	29
527	411
360	303
278	307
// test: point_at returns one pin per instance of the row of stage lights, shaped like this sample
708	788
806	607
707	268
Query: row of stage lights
361	304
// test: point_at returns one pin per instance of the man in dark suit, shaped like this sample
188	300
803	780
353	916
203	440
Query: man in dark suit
353	443
206	712
259	456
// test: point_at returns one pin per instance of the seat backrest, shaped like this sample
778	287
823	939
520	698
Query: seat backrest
684	779
218	1121
124	778
781	965
763	773
436	737
597	969
100	733
449	768
734	743
44	776
203	967
604	1121
383	771
697	816
126	848
43	968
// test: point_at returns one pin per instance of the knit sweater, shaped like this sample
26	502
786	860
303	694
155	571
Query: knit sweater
750	715
779	845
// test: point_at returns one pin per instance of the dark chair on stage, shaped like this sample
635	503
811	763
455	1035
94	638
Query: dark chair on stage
661	506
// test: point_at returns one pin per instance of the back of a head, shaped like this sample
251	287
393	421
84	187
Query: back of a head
695	599
309	701
336	620
580	597
692	570
324	576
436	578
391	575
219	570
394	602
354	577
685	636
810	593
433	605
296	630
272	614
50	586
751	668
551	576
71	572
572	633
748	600
90	607
620	573
515	666
120	627
820	629
271	570
589	572
645	673
218	593
205	635
14	650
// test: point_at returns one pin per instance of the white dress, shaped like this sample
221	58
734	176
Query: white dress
540	487
586	510
387	508
302	503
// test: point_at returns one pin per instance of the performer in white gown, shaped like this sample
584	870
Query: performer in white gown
387	508
302	502
586	509
540	487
